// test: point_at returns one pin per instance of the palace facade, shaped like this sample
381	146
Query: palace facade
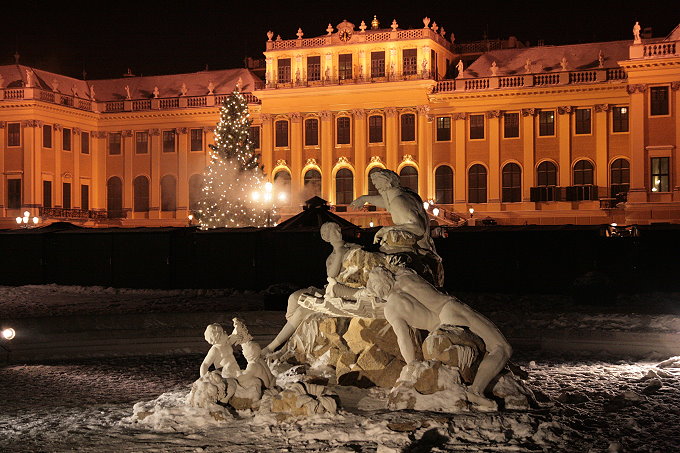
576	134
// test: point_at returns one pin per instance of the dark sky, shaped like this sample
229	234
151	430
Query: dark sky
105	38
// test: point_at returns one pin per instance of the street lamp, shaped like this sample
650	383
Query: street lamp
8	333
267	197
24	221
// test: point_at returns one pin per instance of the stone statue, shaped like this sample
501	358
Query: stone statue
2	81
183	89
155	92
600	60
55	85
494	69
636	33
211	87
459	68
92	93
128	96
29	78
328	73
563	63
408	215
527	66
453	38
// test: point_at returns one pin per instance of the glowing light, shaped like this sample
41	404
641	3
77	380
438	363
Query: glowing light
25	219
614	225
18	219
268	186
256	196
426	205
8	333
471	211
27	214
190	217
35	220
370	224
624	110
282	196
435	211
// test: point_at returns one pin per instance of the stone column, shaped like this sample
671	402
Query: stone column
57	189
98	156
182	209
675	176
126	143
638	157
601	131
392	137
494	120
296	154
528	152
425	151
326	133
31	145
459	187
360	143
76	145
267	143
155	175
3	177
563	129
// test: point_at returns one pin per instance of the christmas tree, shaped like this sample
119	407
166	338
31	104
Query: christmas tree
234	174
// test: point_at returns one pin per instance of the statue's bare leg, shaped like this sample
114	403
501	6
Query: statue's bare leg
394	315
294	316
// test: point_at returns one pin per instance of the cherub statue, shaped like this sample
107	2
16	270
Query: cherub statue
221	354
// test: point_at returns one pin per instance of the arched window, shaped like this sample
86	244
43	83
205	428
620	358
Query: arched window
168	193
313	183
371	188
512	183
477	184
583	173
546	174
619	179
195	191
282	186
443	185
140	188
344	186
408	176
114	197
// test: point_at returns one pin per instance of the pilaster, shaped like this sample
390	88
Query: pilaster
528	152
424	151
675	176
459	188
360	143
154	176
392	137
267	143
327	155
58	187
564	141
126	143
601	132
3	177
31	149
76	146
182	173
296	153
493	120
638	179
98	156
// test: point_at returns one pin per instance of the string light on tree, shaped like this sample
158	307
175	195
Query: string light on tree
234	172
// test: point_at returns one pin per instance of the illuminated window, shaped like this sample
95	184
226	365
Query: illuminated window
582	121
66	139
378	64
282	185
408	127
343	131
311	132
312	181
658	101
281	129
546	123
313	68
345	66
14	134
371	187
284	70
196	139
443	128
660	174
477	184
114	143
47	136
344	186
443	185
141	142
375	129
584	173
619	178
14	193
169	141
512	183
410	60
140	188
254	132
408	177
168	193
476	127
511	125
620	119
85	142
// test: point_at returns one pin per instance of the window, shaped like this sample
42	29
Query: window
408	127
410	60
512	183
195	191
546	174
476	127
313	68
477	184
85	142
114	197
168	193
619	178
281	128
169	141
311	132
443	185
47	136
66	195
434	67
140	188
620	119
282	185
343	131
141	142
344	186
443	128
84	197
47	194
660	175
196	139
14	134
14	193
658	101
583	173
284	70
546	123
582	119
511	125
114	143
66	139
375	129
408	177
378	64
345	66
255	136
371	187
312	181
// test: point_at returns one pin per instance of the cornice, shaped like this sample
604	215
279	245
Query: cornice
441	97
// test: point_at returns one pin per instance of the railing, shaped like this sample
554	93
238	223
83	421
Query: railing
169	103
583	77
546	79
197	101
334	80
142	104
478	46
63	213
660	49
114	106
14	94
444	86
511	82
616	74
476	84
46	96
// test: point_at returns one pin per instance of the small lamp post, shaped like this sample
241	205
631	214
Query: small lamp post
190	219
471	220
26	221
267	197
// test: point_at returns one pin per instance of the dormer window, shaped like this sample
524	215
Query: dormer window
410	57
313	68
345	66
284	70
378	64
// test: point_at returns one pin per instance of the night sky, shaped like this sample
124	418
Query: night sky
105	38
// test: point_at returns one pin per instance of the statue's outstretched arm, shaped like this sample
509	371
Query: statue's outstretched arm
375	200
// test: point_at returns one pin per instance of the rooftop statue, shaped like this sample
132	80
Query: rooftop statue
636	33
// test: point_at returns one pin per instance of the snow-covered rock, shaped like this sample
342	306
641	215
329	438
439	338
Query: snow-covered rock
170	412
300	399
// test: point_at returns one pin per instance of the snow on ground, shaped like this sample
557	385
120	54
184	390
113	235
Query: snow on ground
585	406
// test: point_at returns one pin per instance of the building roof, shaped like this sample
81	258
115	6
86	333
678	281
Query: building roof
224	82
546	59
